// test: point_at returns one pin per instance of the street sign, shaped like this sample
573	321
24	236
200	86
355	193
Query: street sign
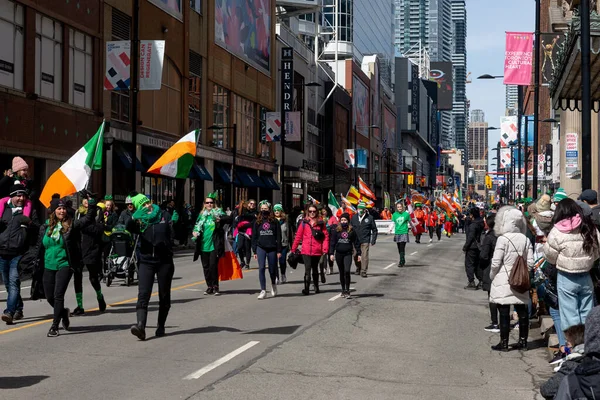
520	185
540	165
571	152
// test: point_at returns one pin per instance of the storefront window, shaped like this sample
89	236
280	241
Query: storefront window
244	112
220	116
159	189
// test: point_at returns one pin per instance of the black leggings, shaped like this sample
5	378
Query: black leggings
55	287
493	311
431	230
244	249
210	265
93	271
521	309
164	274
344	263
401	247
311	264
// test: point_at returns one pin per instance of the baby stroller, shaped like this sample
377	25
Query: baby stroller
122	261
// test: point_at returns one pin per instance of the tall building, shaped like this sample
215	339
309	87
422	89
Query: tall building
459	63
478	149
512	98
477	116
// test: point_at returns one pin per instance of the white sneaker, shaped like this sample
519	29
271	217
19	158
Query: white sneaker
277	280
430	240
262	295
283	278
274	290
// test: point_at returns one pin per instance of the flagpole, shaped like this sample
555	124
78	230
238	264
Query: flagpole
100	137
135	69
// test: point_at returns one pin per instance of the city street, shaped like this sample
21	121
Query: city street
410	333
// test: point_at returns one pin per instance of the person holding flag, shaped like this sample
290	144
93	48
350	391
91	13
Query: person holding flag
432	223
420	216
366	230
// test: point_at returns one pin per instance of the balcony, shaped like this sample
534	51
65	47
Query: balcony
292	40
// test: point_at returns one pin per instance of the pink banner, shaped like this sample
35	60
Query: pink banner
518	58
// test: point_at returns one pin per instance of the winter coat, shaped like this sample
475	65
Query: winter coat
432	219
365	229
474	231
583	382
91	242
17	230
125	218
544	221
596	215
487	244
510	229
565	250
155	242
71	239
550	387
343	242
285	239
267	236
310	245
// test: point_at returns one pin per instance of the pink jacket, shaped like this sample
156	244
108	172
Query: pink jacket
310	245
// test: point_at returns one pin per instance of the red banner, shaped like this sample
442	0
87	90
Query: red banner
518	58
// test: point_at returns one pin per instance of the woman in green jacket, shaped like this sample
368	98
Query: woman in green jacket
401	219
59	252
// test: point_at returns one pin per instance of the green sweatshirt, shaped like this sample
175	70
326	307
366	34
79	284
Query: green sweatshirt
55	256
401	222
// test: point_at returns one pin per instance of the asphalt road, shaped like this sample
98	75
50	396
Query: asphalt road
410	333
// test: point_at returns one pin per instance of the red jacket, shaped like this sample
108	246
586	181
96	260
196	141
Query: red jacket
310	245
432	219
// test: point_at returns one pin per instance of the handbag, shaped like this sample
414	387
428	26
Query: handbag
295	258
316	233
518	278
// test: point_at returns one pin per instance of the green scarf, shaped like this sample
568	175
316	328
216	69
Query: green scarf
55	235
205	216
146	219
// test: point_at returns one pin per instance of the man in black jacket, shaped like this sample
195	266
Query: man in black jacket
471	249
590	197
18	224
366	229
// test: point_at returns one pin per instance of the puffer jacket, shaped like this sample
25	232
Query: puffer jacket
510	229
310	245
565	250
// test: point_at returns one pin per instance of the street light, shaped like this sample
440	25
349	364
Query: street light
488	76
234	157
355	148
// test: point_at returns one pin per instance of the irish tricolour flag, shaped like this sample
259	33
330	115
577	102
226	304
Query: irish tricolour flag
179	159
74	175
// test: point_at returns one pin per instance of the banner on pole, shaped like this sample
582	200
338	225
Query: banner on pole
505	158
508	130
293	128
361	158
152	55
349	158
118	68
518	58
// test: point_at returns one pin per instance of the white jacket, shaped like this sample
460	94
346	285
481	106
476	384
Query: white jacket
565	250
510	227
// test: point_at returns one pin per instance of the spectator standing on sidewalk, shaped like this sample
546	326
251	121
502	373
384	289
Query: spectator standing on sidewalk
486	252
590	197
127	213
572	246
18	172
266	246
510	227
366	229
18	225
471	250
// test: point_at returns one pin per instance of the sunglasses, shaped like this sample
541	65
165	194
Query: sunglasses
312	211
209	202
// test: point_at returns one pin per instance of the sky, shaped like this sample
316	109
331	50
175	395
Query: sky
487	22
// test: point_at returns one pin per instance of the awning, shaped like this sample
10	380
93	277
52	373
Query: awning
565	88
249	180
127	160
270	183
200	172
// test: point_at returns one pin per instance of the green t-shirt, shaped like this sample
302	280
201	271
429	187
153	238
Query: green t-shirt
401	222
55	256
208	244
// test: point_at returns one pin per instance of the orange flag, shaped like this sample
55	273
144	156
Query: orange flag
229	266
365	190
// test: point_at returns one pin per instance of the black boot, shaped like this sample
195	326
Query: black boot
139	329
521	344
502	346
162	319
306	290
316	281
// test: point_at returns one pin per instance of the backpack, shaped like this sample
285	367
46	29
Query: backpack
518	278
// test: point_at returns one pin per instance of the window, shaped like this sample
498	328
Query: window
220	116
196	5
119	99
80	69
244	114
11	54
195	91
48	57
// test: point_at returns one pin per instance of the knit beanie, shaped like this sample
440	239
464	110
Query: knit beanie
18	164
362	205
543	204
345	215
17	189
559	195
56	202
592	331
139	200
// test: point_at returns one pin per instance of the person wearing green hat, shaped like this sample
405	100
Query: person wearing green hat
559	195
366	230
155	231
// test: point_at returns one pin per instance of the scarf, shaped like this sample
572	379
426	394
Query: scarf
55	235
205	216
147	218
569	224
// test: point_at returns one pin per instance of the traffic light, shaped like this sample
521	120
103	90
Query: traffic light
423	181
488	181
411	179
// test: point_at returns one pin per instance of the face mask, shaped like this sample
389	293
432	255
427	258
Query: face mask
266	213
344	225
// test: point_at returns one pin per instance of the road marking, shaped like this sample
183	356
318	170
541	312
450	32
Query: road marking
390	266
412	254
194	290
26	287
221	361
337	296
429	245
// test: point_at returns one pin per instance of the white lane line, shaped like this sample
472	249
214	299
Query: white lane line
337	296
195	290
412	254
390	266
221	361
429	245
26	287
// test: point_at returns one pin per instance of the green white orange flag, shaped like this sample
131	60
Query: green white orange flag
179	159
333	203
386	200
74	175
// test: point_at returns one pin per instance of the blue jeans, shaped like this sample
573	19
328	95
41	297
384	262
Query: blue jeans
555	314
575	298
270	258
10	275
282	261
